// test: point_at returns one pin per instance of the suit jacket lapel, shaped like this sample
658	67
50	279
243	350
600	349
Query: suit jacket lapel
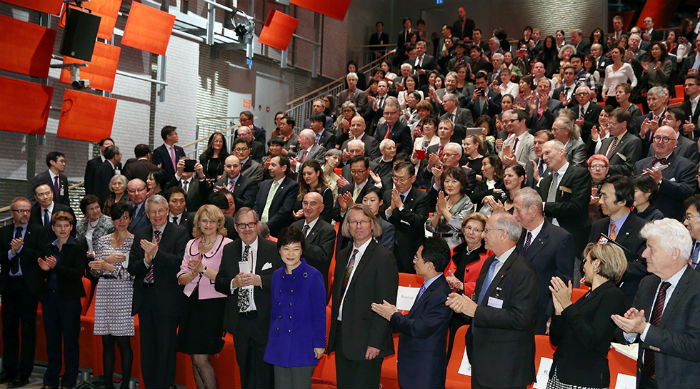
501	272
364	262
681	287
418	304
537	243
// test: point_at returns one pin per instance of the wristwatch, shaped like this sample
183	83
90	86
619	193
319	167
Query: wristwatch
203	270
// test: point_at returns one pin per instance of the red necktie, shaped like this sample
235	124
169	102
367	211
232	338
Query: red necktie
515	144
440	151
149	275
388	131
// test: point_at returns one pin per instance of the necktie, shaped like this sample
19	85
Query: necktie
611	148
648	369
14	262
47	218
440	151
420	293
528	241
694	253
581	112
381	103
388	131
515	144
613	234
487	280
172	157
403	198
303	156
231	185
243	293
662	161
56	186
318	139
174	220
566	92
149	275
305	229
452	118
348	271
185	185
540	167
268	202
552	193
356	192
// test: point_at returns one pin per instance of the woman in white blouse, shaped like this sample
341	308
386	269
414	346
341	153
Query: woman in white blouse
616	73
507	87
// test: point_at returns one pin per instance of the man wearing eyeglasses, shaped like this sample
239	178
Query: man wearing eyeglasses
245	276
674	174
393	129
690	106
673	117
21	244
691	221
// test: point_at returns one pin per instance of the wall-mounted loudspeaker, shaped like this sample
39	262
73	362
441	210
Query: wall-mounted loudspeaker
80	34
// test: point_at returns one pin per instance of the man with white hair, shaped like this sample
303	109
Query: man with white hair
461	118
635	54
564	131
566	192
582	47
502	312
586	112
497	61
669	339
308	150
384	165
646	125
358	97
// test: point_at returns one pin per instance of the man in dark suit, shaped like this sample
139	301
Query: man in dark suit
195	185
277	195
691	221
676	176
566	190
249	168
324	134
621	148
137	197
357	131
423	64
379	38
44	209
477	62
480	99
247	313
686	148
403	39
246	118
586	111
166	155
549	248
464	26
177	206
461	118
243	188
21	244
665	315
547	108
582	47
365	273
423	332
94	164
645	126
351	193
501	339
54	178
141	166
621	225
257	149
393	129
111	167
689	66
534	169
320	236
154	261
691	120
406	208
649	34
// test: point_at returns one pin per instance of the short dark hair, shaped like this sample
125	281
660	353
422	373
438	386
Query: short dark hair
432	119
53	156
647	184
419	22
694	77
161	177
237	141
692	200
290	120
624	188
141	150
678	112
111	152
291	234
522	115
277	140
458	174
103	140
480	75
409	167
172	190
118	209
247	114
218	199
476	29
318	117
621	115
87	201
359	158
379	22
579	56
437	252
167	130
284	161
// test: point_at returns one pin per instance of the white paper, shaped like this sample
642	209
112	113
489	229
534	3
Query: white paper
405	297
625	381
465	368
629	350
244	267
543	373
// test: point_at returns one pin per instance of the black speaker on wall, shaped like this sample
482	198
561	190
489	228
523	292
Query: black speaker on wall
80	34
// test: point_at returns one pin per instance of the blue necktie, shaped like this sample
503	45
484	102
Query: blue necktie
487	281
694	254
420	292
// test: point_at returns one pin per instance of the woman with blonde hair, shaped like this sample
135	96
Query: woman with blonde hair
582	331
201	327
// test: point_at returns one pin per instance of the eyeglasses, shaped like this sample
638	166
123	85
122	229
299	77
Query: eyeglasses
400	179
387	113
598	167
21	210
582	94
689	85
661	139
471	229
206	221
243	226
240	149
355	223
450	154
486	230
690	217
357	171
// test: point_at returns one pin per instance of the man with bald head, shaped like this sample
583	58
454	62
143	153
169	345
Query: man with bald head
244	189
257	149
675	175
357	131
566	190
320	236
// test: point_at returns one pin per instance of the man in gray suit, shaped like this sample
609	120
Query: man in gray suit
564	131
665	315
308	150
249	167
358	97
519	146
461	117
621	148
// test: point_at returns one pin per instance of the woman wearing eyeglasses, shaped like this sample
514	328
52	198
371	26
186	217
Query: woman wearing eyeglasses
201	327
582	331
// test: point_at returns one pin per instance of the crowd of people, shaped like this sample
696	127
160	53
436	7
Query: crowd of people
503	177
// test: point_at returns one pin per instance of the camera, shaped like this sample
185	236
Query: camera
189	165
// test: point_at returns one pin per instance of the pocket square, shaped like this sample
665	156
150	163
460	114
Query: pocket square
266	266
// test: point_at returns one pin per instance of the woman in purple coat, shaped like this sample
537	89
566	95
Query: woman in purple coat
297	337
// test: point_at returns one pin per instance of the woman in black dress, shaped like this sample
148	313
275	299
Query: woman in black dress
212	159
311	179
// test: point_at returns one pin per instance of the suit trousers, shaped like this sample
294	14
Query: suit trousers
158	343
352	374
293	377
62	326
18	311
250	354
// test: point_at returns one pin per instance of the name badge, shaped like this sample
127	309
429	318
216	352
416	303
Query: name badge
495	302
